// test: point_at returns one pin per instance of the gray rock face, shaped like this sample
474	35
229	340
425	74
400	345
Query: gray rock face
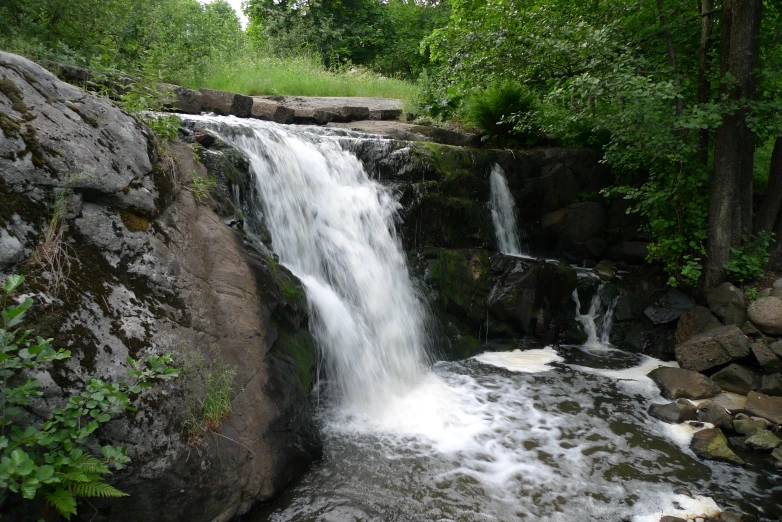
271	111
766	315
711	444
764	406
712	349
153	272
11	249
673	412
675	383
694	321
226	103
577	228
727	302
737	379
669	307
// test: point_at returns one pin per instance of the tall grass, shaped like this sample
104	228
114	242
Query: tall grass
302	76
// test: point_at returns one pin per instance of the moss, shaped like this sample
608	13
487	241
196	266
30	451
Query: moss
133	222
165	188
85	117
9	126
298	356
14	95
462	280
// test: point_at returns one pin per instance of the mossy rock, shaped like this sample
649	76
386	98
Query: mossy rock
462	280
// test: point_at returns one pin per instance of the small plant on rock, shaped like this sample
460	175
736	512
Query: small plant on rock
747	262
50	458
202	186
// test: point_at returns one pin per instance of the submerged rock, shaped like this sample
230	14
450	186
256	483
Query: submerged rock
711	444
712	349
677	383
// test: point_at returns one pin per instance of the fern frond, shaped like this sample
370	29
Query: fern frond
73	476
96	489
63	501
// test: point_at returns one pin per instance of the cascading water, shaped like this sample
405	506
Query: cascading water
534	435
333	227
597	337
503	213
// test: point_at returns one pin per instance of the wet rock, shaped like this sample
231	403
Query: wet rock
766	315
735	516
711	444
766	358
226	103
669	518
385	114
737	379
350	113
313	116
715	414
180	99
764	406
577	228
762	440
675	383
694	321
771	385
605	272
669	307
712	349
673	412
777	455
727	302
270	111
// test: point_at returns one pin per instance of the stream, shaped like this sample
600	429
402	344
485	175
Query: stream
557	434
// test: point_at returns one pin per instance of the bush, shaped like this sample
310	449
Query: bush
51	459
747	262
504	111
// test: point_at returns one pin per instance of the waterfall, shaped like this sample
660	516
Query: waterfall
503	213
333	227
597	337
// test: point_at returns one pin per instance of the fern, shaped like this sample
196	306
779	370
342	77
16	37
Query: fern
96	489
63	501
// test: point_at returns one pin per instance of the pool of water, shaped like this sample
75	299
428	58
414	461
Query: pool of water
542	435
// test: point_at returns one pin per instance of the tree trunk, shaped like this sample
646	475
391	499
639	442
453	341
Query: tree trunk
669	49
772	201
730	207
704	86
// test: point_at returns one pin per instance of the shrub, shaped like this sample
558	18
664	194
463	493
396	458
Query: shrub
747	262
202	186
51	459
503	110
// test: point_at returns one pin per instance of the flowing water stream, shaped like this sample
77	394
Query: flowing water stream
537	435
503	213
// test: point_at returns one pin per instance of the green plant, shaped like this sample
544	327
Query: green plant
142	98
209	388
202	186
747	262
503	110
753	294
50	458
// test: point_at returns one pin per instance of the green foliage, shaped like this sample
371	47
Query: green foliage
202	186
753	294
50	459
493	108
209	388
748	262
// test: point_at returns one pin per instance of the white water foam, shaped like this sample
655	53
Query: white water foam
503	213
526	361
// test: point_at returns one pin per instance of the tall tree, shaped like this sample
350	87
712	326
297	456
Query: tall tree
730	207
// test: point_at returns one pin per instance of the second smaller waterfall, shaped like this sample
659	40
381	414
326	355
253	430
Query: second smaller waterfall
597	337
503	213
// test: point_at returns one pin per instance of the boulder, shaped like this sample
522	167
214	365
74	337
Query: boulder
749	426
766	358
762	440
776	292
226	103
669	307
313	116
777	284
349	113
673	412
270	111
605	272
771	385
716	414
727	302
776	347
712	349
677	383
777	456
670	518
711	444
766	315
180	99
735	516
694	321
737	379
764	406
385	114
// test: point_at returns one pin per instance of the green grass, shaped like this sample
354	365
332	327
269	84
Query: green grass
303	76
